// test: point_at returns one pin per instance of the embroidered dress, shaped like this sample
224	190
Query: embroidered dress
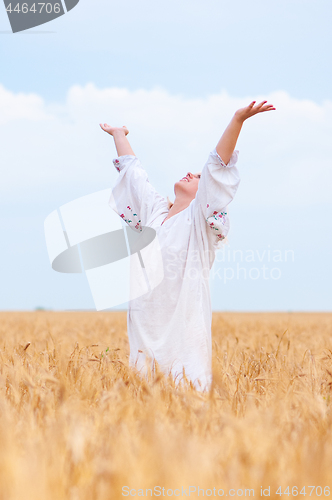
172	322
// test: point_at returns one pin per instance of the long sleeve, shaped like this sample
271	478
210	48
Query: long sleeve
216	189
133	197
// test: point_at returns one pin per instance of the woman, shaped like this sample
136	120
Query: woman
171	324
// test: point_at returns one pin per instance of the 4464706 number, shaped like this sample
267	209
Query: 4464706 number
294	491
24	8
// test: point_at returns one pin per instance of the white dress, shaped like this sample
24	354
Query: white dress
172	323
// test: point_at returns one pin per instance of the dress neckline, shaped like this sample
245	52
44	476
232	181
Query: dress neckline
163	222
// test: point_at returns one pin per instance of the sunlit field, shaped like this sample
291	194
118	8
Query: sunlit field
77	423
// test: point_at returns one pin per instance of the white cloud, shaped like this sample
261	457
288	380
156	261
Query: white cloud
285	155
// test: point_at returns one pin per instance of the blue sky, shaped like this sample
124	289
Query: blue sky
183	68
192	48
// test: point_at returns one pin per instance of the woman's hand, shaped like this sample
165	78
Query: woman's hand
251	110
119	135
114	130
227	143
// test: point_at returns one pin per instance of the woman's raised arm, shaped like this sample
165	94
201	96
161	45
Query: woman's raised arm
227	143
133	198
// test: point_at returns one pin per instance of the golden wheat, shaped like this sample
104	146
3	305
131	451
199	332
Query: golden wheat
77	423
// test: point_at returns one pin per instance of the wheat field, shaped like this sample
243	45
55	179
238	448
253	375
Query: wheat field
77	423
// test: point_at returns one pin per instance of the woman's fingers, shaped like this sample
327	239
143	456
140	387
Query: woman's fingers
253	108
264	107
260	105
268	107
112	130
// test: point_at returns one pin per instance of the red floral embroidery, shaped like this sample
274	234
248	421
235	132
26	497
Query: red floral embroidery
115	162
221	219
130	222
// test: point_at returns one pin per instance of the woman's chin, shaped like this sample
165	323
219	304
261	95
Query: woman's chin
181	185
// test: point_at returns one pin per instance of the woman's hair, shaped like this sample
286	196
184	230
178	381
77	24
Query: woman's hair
170	204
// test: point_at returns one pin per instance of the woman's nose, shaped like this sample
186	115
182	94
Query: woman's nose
189	174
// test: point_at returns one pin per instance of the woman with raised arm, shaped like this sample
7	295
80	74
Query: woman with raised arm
171	324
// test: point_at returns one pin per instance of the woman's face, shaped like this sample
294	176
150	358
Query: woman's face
188	185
